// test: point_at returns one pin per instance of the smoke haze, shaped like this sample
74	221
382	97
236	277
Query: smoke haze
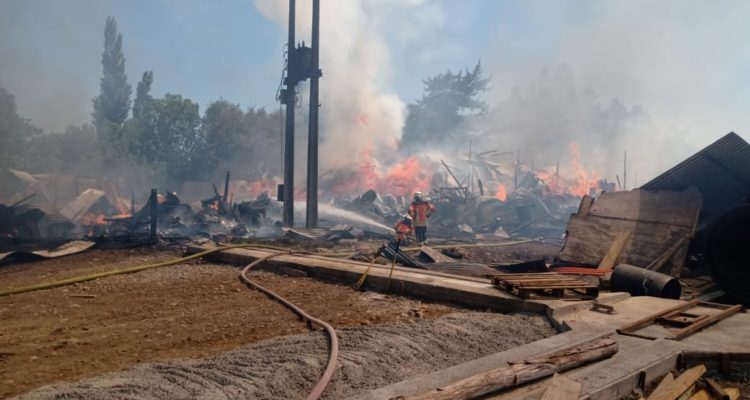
658	79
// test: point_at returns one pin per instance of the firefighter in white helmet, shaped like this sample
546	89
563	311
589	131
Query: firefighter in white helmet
420	210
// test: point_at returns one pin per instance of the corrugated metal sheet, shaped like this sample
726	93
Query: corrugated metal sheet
720	172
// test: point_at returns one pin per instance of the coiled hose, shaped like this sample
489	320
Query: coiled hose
334	340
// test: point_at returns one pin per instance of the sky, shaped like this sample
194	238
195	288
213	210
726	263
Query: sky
683	61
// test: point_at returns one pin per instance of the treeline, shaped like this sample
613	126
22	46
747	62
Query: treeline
165	137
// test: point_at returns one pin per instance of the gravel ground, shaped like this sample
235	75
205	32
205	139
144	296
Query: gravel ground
287	367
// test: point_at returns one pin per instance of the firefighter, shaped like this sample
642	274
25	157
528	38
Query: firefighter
420	210
404	228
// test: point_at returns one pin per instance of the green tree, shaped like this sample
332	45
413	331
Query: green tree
170	134
112	105
75	148
448	100
222	126
15	133
142	95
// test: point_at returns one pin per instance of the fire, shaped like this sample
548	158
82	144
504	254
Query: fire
502	193
579	184
93	219
401	178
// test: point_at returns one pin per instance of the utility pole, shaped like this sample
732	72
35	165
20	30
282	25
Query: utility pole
625	171
302	63
312	143
557	175
288	97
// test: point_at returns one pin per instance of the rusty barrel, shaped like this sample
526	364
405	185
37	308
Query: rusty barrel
642	282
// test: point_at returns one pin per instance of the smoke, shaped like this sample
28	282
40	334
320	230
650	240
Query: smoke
37	43
656	79
360	114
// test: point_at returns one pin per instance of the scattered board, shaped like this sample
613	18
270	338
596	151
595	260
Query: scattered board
548	284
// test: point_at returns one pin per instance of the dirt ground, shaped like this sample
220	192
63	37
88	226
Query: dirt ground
183	311
288	367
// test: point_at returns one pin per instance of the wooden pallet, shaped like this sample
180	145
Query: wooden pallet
681	318
548	284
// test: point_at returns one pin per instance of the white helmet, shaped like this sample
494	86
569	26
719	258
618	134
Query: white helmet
417	195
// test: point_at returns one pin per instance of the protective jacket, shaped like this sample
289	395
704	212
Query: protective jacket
403	229
420	210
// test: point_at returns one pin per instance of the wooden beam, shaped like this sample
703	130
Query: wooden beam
682	333
716	389
663	384
681	384
615	249
648	320
701	395
524	371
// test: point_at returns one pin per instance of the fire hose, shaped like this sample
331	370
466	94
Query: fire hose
334	341
333	338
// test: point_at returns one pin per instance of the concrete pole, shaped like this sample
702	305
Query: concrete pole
289	101
312	142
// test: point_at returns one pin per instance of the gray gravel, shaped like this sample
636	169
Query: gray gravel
288	367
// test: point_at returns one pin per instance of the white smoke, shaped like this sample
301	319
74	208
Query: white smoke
682	62
360	115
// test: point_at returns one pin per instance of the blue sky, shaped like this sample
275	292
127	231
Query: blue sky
684	61
204	49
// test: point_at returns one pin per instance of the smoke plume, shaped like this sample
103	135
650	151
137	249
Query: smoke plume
360	114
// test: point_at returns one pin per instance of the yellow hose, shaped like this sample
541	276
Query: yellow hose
84	278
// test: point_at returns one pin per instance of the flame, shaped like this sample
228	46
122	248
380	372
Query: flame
93	219
401	178
579	184
502	193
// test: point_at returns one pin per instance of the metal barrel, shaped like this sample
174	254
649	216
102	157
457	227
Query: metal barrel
726	253
642	282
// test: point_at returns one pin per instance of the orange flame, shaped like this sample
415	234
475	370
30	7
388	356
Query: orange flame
502	193
579	184
93	219
401	178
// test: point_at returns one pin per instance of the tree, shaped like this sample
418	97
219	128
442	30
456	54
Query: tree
168	133
142	96
63	151
448	100
112	105
222	126
15	133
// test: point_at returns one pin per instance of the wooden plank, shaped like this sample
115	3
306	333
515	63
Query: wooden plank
648	320
701	395
562	388
589	238
663	384
522	371
682	333
435	255
664	257
681	384
615	250
667	207
716	389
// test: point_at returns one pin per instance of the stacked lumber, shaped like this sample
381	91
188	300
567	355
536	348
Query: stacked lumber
690	386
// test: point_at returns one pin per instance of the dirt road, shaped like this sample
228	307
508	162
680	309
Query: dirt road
287	367
183	311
